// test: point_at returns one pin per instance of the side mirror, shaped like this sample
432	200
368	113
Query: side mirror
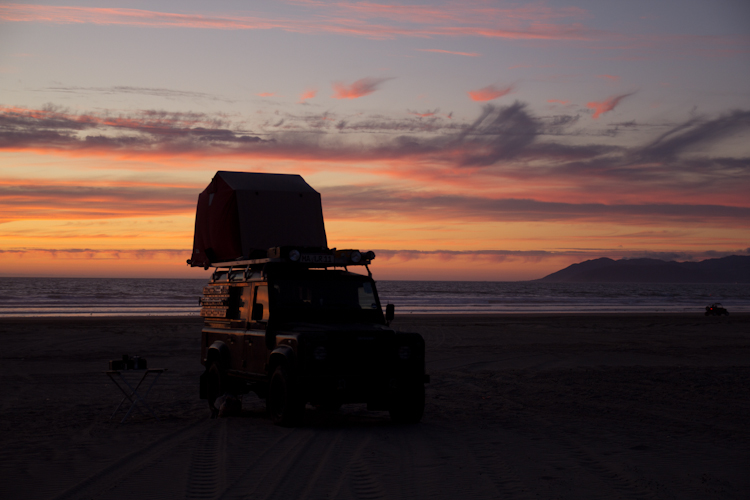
390	312
257	314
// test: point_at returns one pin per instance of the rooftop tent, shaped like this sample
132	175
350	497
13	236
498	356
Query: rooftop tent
241	215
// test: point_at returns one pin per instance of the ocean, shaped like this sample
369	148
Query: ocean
49	297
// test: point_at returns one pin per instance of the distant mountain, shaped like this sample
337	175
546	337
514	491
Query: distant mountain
732	269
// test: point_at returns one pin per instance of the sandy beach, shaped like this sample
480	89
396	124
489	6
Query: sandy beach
540	406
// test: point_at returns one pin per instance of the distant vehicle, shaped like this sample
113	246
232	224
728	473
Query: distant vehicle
716	309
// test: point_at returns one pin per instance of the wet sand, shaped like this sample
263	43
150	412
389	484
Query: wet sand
541	406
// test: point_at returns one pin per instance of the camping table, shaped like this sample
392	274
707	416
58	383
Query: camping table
122	382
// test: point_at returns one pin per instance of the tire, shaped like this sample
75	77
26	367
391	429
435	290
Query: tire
215	387
407	405
284	402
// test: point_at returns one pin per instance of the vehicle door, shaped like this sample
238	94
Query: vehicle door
255	343
240	299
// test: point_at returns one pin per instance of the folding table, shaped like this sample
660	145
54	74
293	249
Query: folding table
133	395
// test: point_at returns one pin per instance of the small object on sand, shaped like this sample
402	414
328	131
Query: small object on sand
128	363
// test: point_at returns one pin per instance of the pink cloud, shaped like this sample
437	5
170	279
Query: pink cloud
609	77
606	105
471	18
308	94
360	88
267	94
337	17
489	93
557	101
469	54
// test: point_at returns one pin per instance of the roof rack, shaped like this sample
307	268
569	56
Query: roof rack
308	257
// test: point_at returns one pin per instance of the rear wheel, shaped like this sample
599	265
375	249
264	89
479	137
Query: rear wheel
407	405
284	402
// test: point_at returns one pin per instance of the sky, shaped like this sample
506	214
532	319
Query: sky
471	140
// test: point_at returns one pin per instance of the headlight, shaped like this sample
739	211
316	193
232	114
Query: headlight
404	352
355	256
294	255
320	353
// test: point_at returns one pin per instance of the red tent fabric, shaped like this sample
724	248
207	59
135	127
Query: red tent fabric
240	215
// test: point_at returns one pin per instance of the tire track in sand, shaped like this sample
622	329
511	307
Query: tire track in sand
307	464
207	472
571	452
111	476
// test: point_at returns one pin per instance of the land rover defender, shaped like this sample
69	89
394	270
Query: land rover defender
285	316
300	327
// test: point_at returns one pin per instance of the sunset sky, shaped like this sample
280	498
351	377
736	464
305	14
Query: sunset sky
477	140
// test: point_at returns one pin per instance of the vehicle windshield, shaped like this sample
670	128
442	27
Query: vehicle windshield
323	298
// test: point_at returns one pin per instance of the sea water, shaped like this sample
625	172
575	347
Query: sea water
40	297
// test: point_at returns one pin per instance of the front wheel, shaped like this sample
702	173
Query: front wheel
284	402
407	405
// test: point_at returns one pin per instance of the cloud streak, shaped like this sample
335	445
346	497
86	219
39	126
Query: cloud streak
607	105
505	148
477	19
388	255
542	255
126	89
379	202
360	88
96	254
27	199
308	94
453	52
24	200
489	93
358	19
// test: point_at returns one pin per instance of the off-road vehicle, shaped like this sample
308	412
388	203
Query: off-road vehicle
716	309
298	328
284	315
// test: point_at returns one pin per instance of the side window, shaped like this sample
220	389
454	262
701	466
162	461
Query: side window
234	302
261	297
366	297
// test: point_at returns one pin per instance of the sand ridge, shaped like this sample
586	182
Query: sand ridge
539	406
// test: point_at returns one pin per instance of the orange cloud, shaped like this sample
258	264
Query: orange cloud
267	94
360	88
39	199
90	253
308	94
489	93
606	105
492	152
609	77
469	54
